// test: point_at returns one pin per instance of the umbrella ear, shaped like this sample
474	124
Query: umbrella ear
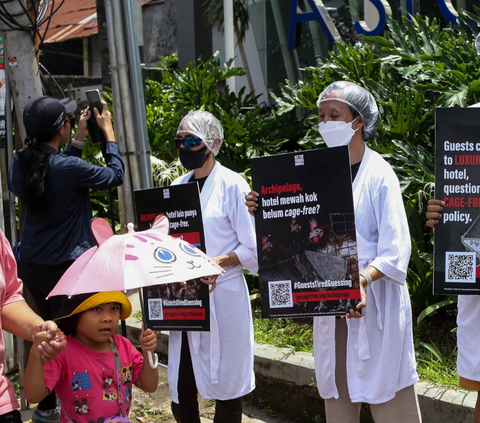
162	224
101	230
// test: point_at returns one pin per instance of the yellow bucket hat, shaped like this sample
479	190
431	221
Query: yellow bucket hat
79	303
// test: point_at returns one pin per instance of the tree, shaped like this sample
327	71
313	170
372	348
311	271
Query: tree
241	20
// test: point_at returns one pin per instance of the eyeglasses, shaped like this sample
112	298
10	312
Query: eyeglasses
188	142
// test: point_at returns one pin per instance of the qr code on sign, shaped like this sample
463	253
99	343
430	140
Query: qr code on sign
280	294
155	309
460	267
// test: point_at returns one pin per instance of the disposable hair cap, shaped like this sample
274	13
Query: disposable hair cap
357	98
205	126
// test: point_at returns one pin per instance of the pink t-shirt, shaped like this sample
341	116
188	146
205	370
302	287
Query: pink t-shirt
85	380
10	291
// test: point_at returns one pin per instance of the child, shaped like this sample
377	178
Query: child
93	376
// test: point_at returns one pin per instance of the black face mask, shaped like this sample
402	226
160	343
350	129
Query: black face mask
193	159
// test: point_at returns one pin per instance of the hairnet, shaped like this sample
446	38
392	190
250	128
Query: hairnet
205	126
357	98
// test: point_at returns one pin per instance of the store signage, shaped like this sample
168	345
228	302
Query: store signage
320	15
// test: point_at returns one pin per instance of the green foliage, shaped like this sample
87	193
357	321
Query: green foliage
168	62
417	67
438	367
296	334
16	386
434	307
145	411
164	173
250	131
435	344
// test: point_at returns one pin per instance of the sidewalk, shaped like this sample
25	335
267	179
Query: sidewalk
148	408
27	415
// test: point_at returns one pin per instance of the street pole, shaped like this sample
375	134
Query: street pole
125	194
138	96
118	42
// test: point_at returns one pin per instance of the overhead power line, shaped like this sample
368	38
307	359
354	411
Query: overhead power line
31	17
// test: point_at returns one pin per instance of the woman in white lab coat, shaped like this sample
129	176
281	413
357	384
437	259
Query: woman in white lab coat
219	363
371	358
468	336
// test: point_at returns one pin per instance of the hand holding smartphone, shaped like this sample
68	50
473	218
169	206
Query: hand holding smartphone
94	100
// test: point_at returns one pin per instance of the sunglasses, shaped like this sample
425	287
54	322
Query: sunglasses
188	142
71	119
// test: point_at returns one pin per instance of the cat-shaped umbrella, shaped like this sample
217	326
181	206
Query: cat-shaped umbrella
134	260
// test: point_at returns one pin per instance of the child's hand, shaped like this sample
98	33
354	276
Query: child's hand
210	280
49	340
148	340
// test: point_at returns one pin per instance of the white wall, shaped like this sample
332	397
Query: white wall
253	60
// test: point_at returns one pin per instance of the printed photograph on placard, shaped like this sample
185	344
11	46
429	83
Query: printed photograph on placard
457	182
306	239
182	305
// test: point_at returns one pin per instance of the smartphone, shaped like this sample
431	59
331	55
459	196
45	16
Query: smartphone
94	100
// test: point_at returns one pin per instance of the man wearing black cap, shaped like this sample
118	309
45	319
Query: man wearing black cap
54	189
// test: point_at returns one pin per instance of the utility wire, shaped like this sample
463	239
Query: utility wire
39	13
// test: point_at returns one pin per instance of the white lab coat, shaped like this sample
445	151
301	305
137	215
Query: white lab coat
380	354
223	358
468	337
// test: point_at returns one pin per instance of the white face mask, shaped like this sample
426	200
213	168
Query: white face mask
336	133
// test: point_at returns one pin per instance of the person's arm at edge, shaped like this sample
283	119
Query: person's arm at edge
18	318
148	378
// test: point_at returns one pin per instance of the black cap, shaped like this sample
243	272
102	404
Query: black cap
46	115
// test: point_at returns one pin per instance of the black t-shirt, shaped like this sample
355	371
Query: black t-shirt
201	181
355	168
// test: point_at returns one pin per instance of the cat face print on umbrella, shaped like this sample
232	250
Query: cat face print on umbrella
134	260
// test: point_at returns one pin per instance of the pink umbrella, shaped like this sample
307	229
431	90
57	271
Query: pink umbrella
134	260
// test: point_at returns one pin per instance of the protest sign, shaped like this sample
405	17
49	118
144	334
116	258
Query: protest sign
306	238
183	305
